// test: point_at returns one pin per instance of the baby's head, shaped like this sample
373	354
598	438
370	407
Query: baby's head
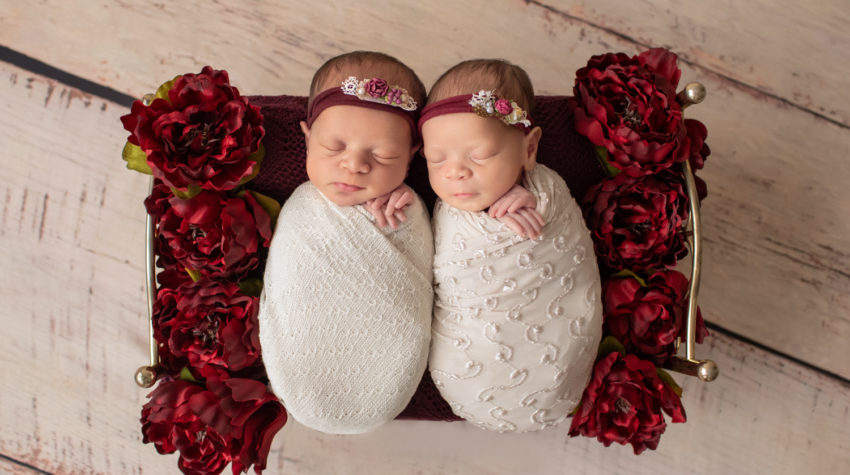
477	152
359	148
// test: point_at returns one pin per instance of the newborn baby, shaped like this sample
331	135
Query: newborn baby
517	315
346	306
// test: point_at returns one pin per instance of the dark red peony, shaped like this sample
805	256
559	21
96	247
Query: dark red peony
627	104
214	234
157	205
170	424
205	134
246	411
232	420
207	323
647	319
623	403
165	310
696	136
636	221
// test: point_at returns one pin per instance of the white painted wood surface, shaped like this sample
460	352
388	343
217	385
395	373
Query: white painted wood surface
778	212
72	227
796	51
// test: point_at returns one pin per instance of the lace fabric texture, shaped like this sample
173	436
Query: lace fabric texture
516	321
283	169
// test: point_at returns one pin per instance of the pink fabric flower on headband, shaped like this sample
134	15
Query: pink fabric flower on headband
377	87
503	106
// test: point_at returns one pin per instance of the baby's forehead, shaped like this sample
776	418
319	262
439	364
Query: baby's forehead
362	124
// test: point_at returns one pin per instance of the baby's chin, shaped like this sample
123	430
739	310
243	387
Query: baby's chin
464	206
349	199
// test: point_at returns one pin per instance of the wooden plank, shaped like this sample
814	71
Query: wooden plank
775	269
72	283
798	51
71	252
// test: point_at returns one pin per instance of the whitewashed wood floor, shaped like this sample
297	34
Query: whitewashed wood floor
777	276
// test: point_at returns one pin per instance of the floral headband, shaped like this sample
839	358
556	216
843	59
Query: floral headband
372	93
485	104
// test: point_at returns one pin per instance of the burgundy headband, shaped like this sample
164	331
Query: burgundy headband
337	97
485	104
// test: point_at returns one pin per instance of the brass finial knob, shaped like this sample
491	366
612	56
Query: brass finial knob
693	93
707	371
146	376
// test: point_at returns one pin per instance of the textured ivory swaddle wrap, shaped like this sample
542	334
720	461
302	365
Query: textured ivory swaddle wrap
345	313
516	322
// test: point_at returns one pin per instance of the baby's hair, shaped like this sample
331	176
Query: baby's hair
367	65
505	79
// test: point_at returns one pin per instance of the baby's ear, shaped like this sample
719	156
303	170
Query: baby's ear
306	130
532	140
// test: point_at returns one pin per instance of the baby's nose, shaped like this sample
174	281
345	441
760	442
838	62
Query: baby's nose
457	171
356	162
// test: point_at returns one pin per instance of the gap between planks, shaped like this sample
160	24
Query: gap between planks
697	66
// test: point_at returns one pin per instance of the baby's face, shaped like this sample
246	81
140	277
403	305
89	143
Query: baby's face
473	161
355	154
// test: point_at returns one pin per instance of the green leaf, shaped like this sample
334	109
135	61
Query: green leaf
186	375
602	155
162	90
188	194
257	157
268	203
609	345
252	287
628	273
136	159
669	381
195	275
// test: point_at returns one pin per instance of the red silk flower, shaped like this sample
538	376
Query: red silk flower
627	104
207	323
636	222
231	420
204	134
624	402
647	319
214	234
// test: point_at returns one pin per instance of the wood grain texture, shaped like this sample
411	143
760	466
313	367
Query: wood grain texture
72	244
796	51
72	288
778	210
776	223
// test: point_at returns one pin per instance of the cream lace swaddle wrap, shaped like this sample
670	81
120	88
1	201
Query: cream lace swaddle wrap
345	313
516	322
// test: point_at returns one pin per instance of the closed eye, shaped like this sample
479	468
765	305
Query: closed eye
334	147
385	158
432	159
482	156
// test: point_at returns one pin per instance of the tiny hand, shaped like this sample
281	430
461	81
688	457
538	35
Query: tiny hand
526	222
389	208
517	210
515	199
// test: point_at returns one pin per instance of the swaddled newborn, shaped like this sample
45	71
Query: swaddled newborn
346	306
517	321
